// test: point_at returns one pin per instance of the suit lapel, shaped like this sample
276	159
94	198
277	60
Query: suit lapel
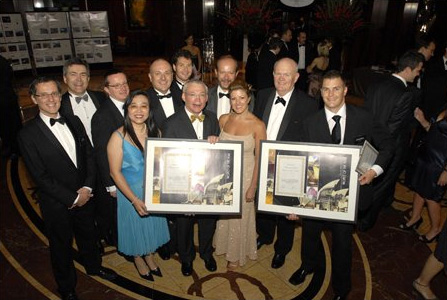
287	116
68	107
54	141
323	128
268	108
189	129
94	99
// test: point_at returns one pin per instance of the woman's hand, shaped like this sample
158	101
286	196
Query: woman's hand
250	194
212	139
140	207
442	181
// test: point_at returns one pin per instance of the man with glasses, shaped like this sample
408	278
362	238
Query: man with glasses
108	118
341	124
193	122
282	109
164	103
58	155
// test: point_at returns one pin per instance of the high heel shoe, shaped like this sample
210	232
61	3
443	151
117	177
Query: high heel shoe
423	238
417	286
414	226
147	276
156	272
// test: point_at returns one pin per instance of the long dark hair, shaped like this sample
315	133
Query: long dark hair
152	129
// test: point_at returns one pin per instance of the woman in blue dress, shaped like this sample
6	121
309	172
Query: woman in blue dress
139	232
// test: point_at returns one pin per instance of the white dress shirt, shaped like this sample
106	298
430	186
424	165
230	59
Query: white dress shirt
197	125
85	111
119	105
276	116
223	103
166	103
301	57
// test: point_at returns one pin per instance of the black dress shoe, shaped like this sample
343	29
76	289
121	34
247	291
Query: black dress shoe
104	273
156	272
187	268
299	276
69	296
338	297
147	276
259	243
278	260
164	252
210	264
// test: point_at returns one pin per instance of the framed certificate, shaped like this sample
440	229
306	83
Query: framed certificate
309	180
193	176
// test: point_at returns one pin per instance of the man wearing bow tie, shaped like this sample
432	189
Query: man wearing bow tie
164	103
219	96
282	109
78	100
193	122
58	154
303	56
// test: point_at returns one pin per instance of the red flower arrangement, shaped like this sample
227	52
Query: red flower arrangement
339	18
252	16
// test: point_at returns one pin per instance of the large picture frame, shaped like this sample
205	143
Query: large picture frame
193	176
309	180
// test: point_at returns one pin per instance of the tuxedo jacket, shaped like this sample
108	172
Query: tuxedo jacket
157	109
360	126
300	107
98	99
105	121
391	103
52	169
285	51
213	97
264	74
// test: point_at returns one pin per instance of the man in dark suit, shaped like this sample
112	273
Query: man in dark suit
282	109
267	59
108	118
391	103
58	155
164	102
303	55
182	65
339	123
286	38
219	96
193	122
78	100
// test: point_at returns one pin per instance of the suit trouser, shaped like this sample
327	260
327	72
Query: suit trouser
285	230
61	225
106	216
185	237
312	252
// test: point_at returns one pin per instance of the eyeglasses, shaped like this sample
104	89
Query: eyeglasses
46	96
118	85
192	95
336	89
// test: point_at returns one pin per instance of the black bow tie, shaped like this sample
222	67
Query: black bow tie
280	100
224	95
79	99
60	120
301	45
164	96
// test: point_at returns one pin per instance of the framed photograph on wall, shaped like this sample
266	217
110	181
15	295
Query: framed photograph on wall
310	180
137	14
193	176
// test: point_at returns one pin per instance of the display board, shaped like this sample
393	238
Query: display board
13	41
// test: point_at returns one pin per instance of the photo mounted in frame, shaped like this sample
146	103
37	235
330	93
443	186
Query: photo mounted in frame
193	176
309	180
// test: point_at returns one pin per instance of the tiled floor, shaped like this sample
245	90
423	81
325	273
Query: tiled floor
386	259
